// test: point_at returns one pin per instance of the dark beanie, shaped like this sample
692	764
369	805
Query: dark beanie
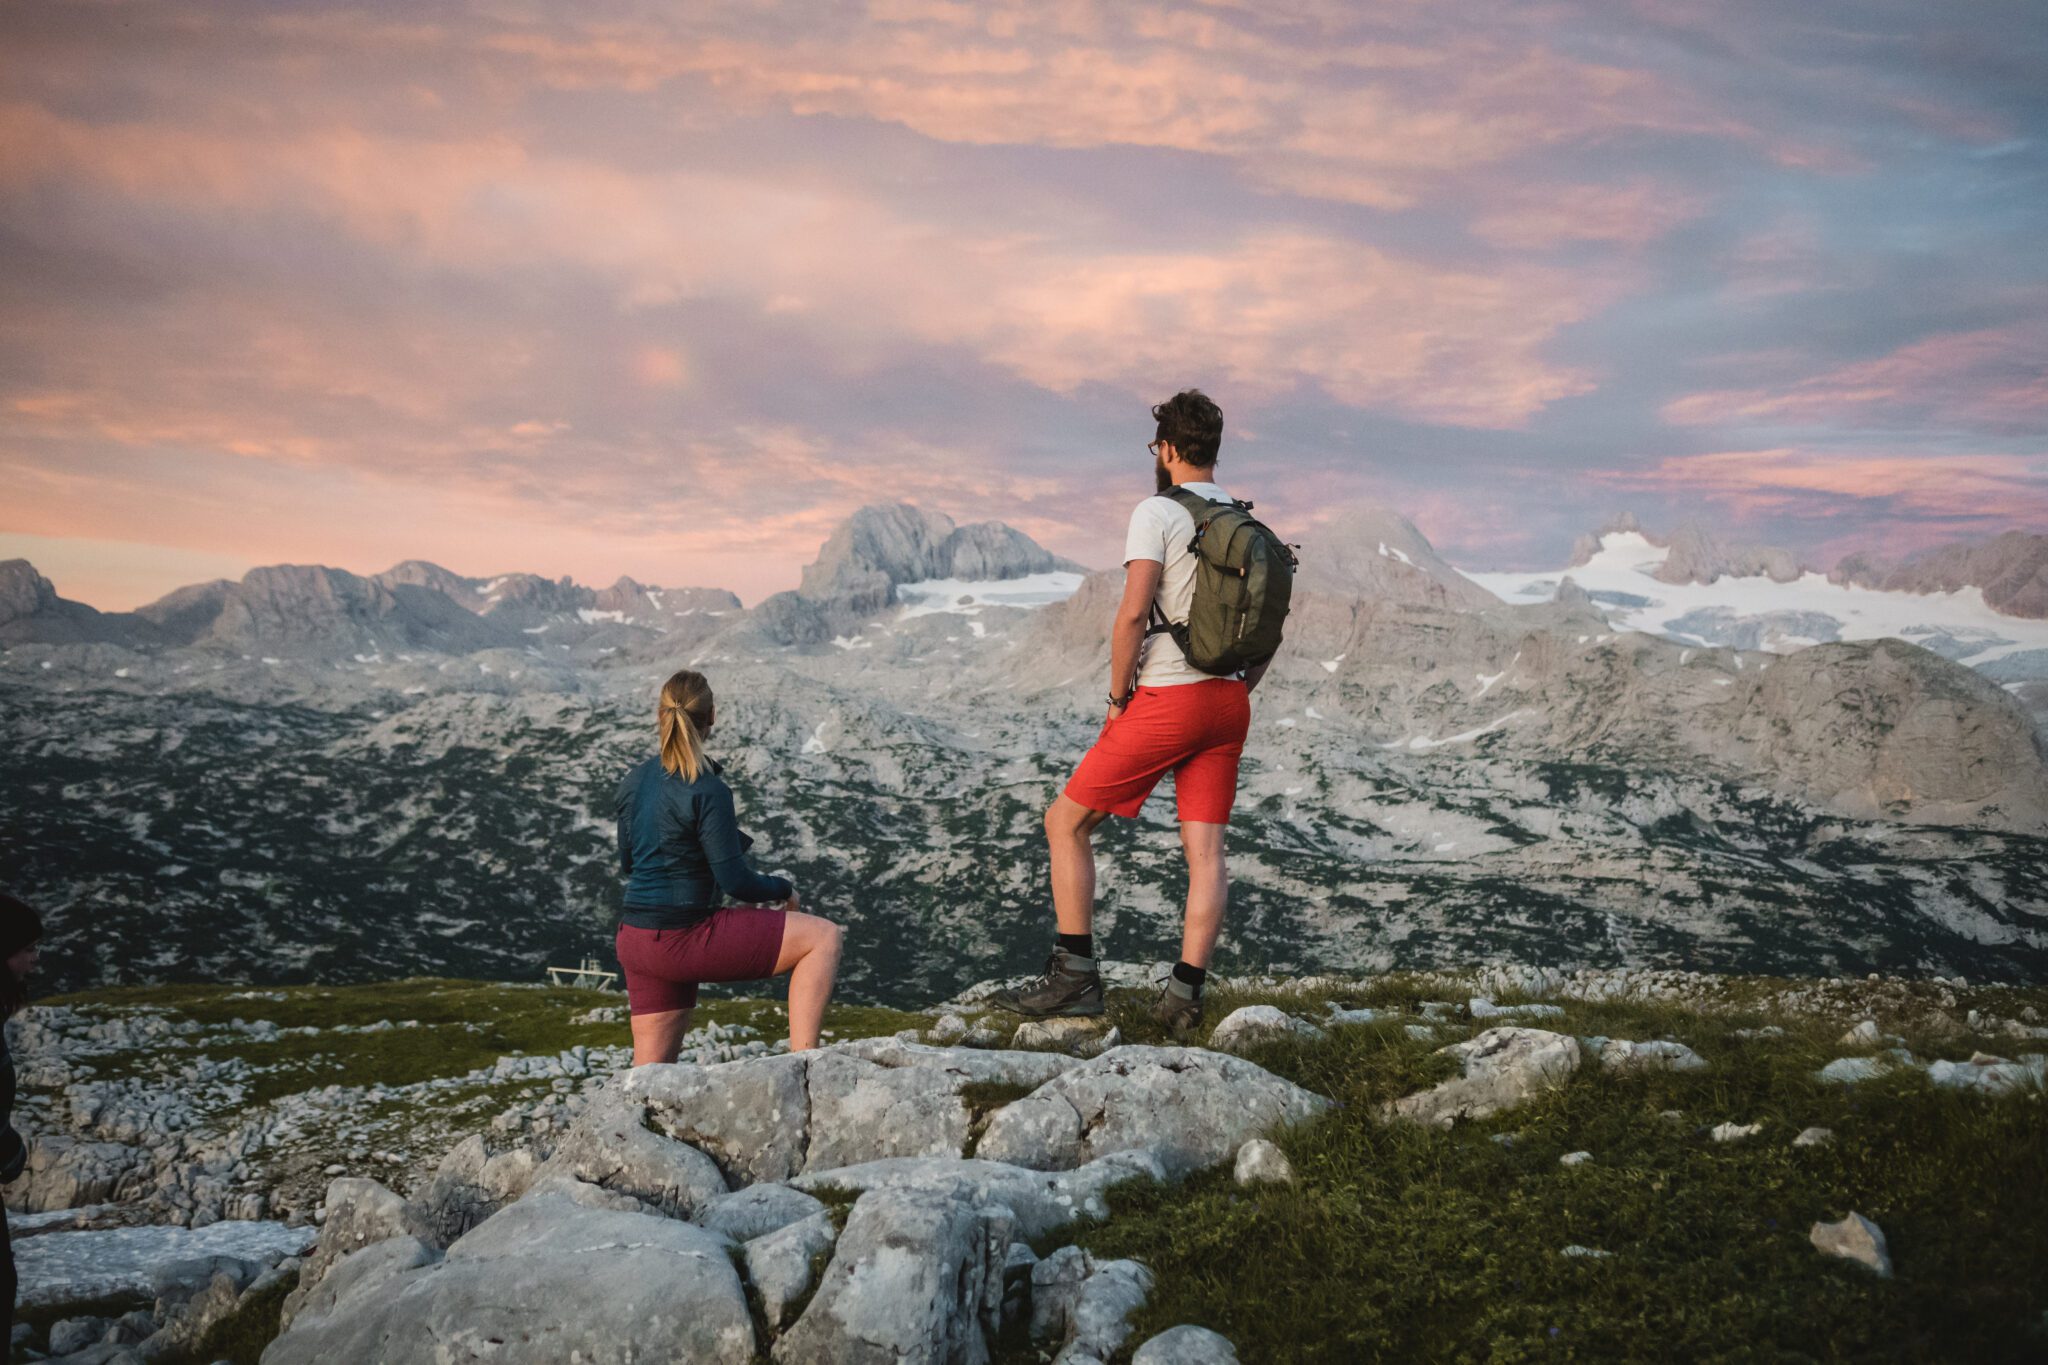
20	925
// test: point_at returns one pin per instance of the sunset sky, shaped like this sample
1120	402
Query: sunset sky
669	289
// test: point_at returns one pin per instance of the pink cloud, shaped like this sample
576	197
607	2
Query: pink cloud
1263	313
1992	380
1303	109
1949	489
1535	217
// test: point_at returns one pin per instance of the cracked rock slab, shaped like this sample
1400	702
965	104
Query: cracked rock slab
473	1182
360	1214
1190	1107
1101	1320
757	1211
752	1117
917	1279
365	1271
546	1280
971	1065
863	1111
610	1146
1040	1201
779	1264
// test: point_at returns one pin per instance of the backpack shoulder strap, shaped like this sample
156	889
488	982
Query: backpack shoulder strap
1197	507
1196	504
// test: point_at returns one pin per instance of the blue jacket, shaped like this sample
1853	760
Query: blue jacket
680	846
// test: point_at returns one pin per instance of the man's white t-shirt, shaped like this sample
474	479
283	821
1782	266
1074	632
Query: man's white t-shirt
1160	530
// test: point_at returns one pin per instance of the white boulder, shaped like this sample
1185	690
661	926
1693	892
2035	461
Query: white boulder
1186	1345
1854	1238
1502	1067
1261	1162
1252	1024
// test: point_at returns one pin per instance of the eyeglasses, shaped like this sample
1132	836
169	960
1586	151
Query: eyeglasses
1153	446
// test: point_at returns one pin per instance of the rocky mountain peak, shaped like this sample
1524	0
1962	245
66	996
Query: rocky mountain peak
31	612
879	547
1570	594
421	573
1588	543
2012	570
1697	555
883	545
23	591
1378	553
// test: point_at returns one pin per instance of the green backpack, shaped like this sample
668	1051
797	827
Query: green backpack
1244	578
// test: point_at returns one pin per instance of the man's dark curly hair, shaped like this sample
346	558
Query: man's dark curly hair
1192	425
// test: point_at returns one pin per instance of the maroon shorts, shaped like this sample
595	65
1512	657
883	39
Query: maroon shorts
1193	730
663	966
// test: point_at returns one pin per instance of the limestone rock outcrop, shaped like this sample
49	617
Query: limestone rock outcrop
1501	1068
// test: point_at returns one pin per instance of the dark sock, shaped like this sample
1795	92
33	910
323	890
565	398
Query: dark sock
1192	977
1079	945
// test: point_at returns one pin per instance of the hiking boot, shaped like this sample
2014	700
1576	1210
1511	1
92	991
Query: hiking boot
1070	986
1178	1007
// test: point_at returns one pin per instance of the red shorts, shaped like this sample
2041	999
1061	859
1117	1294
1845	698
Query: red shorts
663	966
1193	730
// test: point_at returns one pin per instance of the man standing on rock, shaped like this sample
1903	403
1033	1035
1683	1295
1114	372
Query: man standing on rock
1165	715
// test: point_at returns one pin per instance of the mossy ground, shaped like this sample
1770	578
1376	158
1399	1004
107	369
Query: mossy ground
1403	1243
463	1026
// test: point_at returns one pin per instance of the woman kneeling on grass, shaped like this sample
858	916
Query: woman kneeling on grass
680	847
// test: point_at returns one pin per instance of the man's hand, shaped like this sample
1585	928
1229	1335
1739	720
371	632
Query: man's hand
790	906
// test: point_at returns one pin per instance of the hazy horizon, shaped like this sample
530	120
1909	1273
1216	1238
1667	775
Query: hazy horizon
27	547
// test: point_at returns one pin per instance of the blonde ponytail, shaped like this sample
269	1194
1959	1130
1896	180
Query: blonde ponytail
685	714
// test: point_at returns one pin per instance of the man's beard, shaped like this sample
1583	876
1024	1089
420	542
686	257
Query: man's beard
1162	480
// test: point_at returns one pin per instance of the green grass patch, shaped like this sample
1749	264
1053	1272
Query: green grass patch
463	1026
1404	1243
430	1000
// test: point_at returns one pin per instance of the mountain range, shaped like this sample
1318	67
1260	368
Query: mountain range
308	774
2010	570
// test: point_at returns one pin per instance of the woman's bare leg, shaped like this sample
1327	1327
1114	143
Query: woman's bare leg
810	954
659	1037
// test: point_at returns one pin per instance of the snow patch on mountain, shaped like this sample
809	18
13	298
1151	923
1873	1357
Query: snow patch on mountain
967	598
1760	613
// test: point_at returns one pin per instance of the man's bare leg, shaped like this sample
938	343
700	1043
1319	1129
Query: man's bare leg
1072	984
1208	890
659	1037
1069	834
